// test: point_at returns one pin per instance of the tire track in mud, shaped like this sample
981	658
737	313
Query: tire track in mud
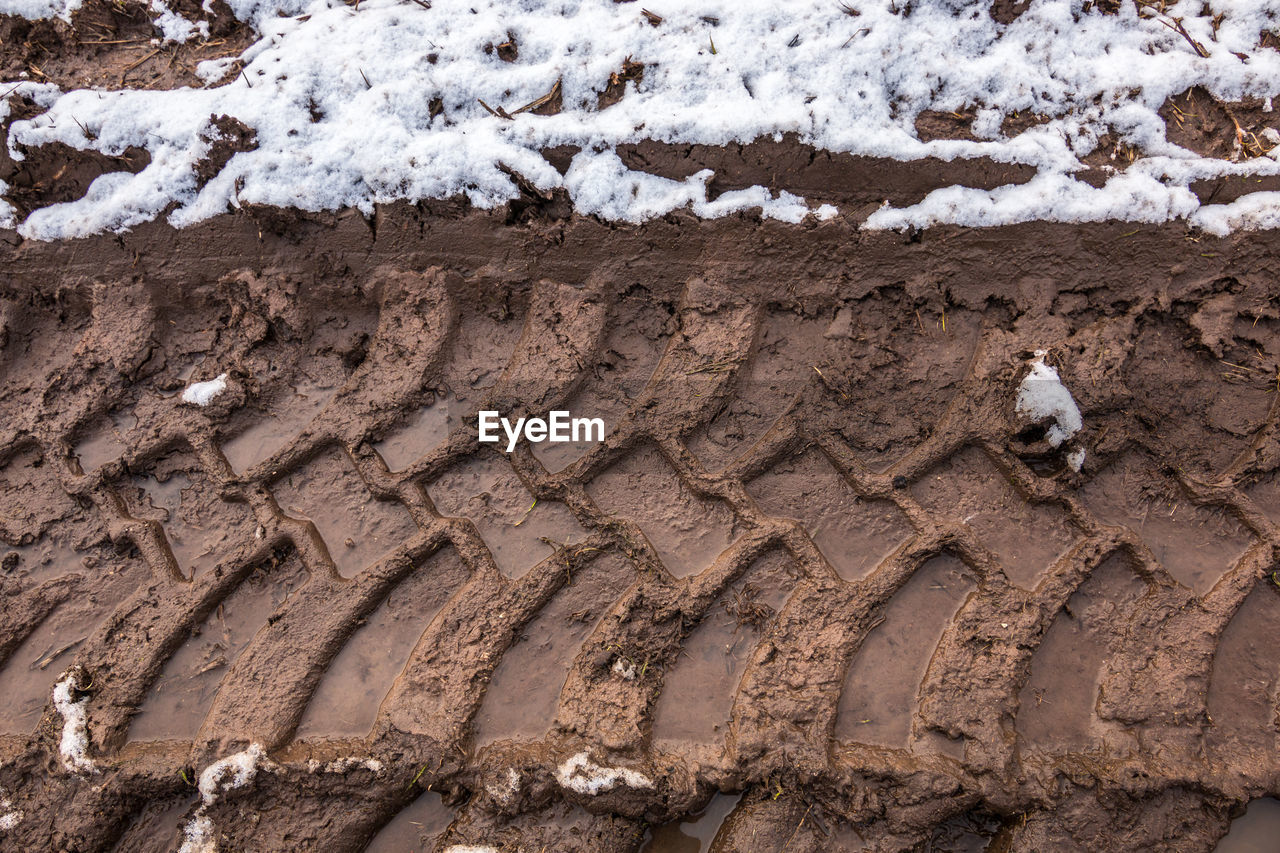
962	758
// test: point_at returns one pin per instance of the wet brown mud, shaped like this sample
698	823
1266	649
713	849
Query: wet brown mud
821	587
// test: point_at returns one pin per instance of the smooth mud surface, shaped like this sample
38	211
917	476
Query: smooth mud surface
821	588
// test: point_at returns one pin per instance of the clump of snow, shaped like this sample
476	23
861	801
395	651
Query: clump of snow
342	765
174	27
9	816
226	774
579	773
1043	397
37	9
1075	459
74	745
213	70
507	790
340	99
202	393
624	668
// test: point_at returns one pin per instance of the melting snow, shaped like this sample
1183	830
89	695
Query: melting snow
1042	396
11	817
340	98
234	771
74	746
202	393
584	776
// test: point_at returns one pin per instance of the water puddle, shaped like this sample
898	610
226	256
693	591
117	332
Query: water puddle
687	531
1255	831
270	432
415	828
182	695
1197	545
427	429
1242	688
524	692
200	527
698	691
693	834
30	673
104	441
357	529
1056	707
781	365
879	701
346	702
486	490
1026	537
853	534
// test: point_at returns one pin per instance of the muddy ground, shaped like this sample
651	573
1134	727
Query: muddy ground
821	580
822	587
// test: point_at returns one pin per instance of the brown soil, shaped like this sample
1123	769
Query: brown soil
821	584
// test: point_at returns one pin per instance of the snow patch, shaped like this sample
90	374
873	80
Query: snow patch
1076	459
625	668
37	9
174	27
9	816
74	745
341	97
584	776
505	792
227	774
1043	397
202	393
342	765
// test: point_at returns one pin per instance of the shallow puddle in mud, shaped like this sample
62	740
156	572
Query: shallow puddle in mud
695	833
178	701
698	690
29	675
1255	831
55	530
787	348
1025	537
1197	545
878	703
621	372
415	828
415	437
158	827
486	490
104	441
688	531
267	433
1242	698
346	702
200	527
1056	707
357	529
524	691
853	534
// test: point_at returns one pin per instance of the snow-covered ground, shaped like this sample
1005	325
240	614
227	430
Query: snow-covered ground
340	98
